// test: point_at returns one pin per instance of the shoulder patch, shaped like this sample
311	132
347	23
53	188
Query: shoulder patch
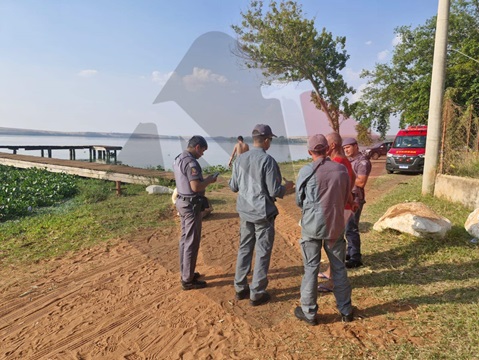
194	171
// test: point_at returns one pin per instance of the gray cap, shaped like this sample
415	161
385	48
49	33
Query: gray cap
349	141
317	142
264	130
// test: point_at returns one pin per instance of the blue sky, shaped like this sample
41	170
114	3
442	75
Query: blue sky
98	65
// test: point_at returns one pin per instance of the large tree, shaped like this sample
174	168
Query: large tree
286	47
402	86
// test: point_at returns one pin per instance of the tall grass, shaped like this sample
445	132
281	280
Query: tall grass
465	164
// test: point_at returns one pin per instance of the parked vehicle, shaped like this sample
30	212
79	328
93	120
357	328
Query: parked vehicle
407	151
378	150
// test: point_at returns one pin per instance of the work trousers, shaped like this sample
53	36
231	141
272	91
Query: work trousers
311	250
190	238
260	237
352	235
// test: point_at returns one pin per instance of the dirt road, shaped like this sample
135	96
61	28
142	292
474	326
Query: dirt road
125	302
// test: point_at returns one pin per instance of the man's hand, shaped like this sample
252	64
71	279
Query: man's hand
211	179
354	206
289	186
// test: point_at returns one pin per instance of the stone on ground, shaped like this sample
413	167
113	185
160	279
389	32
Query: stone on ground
472	223
158	189
414	218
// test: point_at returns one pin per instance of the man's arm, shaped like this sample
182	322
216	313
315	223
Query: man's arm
199	186
273	180
361	180
235	149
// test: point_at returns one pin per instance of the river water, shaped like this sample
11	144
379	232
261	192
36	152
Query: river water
146	153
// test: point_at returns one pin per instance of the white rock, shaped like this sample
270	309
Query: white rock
472	223
413	218
158	189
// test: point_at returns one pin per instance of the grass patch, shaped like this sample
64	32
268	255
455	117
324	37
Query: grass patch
438	278
462	163
92	217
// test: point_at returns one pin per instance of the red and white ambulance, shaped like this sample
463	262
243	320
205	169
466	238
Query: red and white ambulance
407	151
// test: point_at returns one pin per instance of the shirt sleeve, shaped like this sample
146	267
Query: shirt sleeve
273	179
193	171
363	167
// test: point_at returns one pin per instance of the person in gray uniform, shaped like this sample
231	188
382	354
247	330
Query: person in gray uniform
257	179
190	202
322	192
362	168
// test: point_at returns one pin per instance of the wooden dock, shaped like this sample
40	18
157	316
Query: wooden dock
101	152
111	172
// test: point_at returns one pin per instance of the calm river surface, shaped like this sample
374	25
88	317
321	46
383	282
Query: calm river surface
146	153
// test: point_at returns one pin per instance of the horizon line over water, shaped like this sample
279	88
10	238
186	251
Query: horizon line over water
147	152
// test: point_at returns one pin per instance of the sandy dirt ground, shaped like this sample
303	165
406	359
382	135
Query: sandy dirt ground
124	301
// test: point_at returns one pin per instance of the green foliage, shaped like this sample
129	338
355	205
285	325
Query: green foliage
288	48
364	135
94	191
214	169
402	87
466	164
23	190
171	183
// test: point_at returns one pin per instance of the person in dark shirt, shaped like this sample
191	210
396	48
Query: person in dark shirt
190	202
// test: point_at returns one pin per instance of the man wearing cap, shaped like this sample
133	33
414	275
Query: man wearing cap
322	193
362	168
191	188
257	179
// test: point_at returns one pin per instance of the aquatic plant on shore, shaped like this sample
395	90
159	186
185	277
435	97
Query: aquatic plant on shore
23	190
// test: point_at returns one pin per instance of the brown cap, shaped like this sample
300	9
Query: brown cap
262	129
349	141
317	142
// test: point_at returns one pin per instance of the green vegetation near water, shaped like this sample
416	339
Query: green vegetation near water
86	212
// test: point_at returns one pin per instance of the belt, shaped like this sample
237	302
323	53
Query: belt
186	198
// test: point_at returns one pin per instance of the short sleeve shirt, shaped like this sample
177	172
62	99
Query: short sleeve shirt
362	167
186	169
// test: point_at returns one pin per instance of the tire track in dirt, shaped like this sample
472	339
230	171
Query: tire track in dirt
33	309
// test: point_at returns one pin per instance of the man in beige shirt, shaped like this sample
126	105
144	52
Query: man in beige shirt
240	147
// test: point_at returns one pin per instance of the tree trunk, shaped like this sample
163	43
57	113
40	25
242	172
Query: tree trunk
333	123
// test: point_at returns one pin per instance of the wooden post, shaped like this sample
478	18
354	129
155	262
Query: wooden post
118	188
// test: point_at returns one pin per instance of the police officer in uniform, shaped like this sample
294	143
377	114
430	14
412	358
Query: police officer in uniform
362	168
191	189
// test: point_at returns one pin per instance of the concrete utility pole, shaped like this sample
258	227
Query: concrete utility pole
435	102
